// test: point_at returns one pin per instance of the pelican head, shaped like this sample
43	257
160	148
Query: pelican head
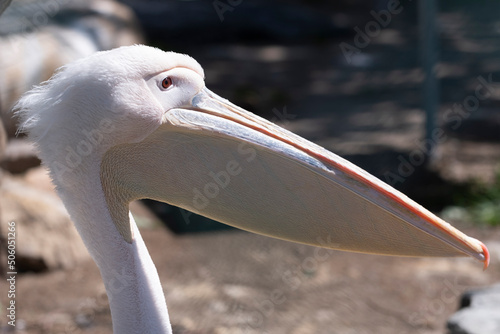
137	122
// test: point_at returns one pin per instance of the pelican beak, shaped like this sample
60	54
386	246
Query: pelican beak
225	163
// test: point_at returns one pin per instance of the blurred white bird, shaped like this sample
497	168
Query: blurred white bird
37	37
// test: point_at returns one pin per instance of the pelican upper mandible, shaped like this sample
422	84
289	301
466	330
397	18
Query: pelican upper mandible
137	122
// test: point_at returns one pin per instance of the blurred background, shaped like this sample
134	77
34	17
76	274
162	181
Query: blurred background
408	90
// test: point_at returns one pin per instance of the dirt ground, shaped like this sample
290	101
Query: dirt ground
236	282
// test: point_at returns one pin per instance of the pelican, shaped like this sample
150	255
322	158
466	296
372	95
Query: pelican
137	122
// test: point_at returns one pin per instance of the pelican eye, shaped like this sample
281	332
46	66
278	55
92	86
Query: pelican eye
166	83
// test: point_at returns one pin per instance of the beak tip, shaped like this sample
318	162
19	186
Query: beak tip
486	255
